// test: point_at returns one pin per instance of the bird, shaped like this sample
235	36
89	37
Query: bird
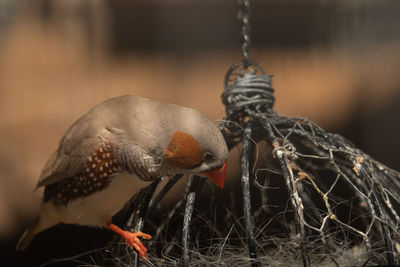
116	149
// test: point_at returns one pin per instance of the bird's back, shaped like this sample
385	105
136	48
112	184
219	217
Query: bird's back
126	120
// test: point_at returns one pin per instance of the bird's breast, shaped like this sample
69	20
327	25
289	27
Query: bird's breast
97	208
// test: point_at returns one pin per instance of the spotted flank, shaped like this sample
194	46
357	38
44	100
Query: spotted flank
100	168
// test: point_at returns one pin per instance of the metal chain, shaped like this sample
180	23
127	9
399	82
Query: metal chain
244	16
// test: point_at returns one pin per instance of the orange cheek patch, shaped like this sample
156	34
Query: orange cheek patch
183	151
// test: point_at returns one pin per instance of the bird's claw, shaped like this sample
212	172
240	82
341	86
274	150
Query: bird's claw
132	240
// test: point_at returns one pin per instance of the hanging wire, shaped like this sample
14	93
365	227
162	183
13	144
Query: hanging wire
244	17
142	216
296	201
246	195
186	227
248	96
157	199
193	187
247	87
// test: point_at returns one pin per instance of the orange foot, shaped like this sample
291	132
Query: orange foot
132	239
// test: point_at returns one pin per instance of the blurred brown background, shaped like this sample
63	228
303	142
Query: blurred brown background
335	62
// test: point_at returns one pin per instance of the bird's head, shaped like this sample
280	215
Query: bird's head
199	152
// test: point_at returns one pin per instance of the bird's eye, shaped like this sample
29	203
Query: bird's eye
208	156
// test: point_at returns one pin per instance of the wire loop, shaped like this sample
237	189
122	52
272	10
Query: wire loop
247	87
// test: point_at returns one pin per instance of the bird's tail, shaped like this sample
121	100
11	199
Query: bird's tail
28	236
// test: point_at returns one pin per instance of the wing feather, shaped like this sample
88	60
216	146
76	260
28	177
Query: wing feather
76	146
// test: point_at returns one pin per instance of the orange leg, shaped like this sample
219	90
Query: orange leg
132	239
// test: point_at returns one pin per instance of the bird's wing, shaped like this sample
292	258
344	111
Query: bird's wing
70	158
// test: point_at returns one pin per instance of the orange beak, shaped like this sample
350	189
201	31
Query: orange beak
217	176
